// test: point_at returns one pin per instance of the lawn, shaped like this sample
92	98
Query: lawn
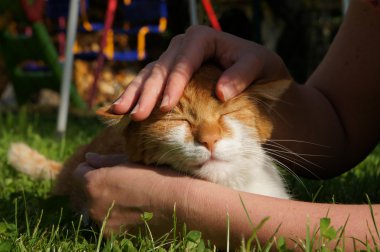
31	219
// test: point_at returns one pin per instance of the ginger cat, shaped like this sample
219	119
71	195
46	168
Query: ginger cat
202	136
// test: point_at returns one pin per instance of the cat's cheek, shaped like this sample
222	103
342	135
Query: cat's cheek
226	150
180	143
230	147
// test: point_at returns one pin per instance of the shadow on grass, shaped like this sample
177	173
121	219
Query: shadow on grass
350	187
26	214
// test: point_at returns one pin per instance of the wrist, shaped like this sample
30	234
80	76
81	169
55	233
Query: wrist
169	196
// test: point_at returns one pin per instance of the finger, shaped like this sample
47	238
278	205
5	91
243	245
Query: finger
238	77
154	83
197	46
99	161
151	90
130	96
81	171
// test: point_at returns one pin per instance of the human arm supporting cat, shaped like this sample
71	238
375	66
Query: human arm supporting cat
204	206
336	111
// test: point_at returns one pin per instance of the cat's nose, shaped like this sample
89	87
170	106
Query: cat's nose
209	141
208	134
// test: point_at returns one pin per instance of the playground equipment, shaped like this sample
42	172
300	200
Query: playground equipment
209	12
68	68
211	15
140	17
30	58
135	11
32	61
101	57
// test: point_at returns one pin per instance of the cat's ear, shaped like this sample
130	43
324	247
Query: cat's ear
270	91
111	119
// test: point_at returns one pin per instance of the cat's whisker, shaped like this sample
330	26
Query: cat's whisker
288	151
167	152
285	167
280	154
300	156
273	110
259	101
298	141
292	161
292	173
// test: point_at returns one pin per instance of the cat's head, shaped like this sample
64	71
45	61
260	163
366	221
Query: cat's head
202	134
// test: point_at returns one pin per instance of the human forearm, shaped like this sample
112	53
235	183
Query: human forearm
207	211
204	206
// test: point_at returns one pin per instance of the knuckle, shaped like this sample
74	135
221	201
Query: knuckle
195	30
256	62
133	86
185	66
158	70
146	70
151	93
177	39
90	191
148	66
92	183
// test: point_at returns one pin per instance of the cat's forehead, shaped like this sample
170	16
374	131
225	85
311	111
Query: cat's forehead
199	99
199	96
204	81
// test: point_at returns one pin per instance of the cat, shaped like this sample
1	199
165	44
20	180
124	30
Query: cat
216	141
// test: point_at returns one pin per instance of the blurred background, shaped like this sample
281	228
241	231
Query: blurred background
108	55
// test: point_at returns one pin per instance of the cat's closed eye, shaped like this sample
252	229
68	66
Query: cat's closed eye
179	118
233	110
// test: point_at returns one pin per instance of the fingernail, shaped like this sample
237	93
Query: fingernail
226	92
135	109
165	102
118	101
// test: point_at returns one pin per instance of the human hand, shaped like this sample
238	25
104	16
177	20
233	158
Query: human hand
132	188
244	62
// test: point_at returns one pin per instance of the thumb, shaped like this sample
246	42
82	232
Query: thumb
81	171
98	161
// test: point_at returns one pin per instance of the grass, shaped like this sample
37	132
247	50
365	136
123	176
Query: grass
31	219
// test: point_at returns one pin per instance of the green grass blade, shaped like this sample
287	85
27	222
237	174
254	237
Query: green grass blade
104	226
26	214
228	232
373	217
341	237
246	211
